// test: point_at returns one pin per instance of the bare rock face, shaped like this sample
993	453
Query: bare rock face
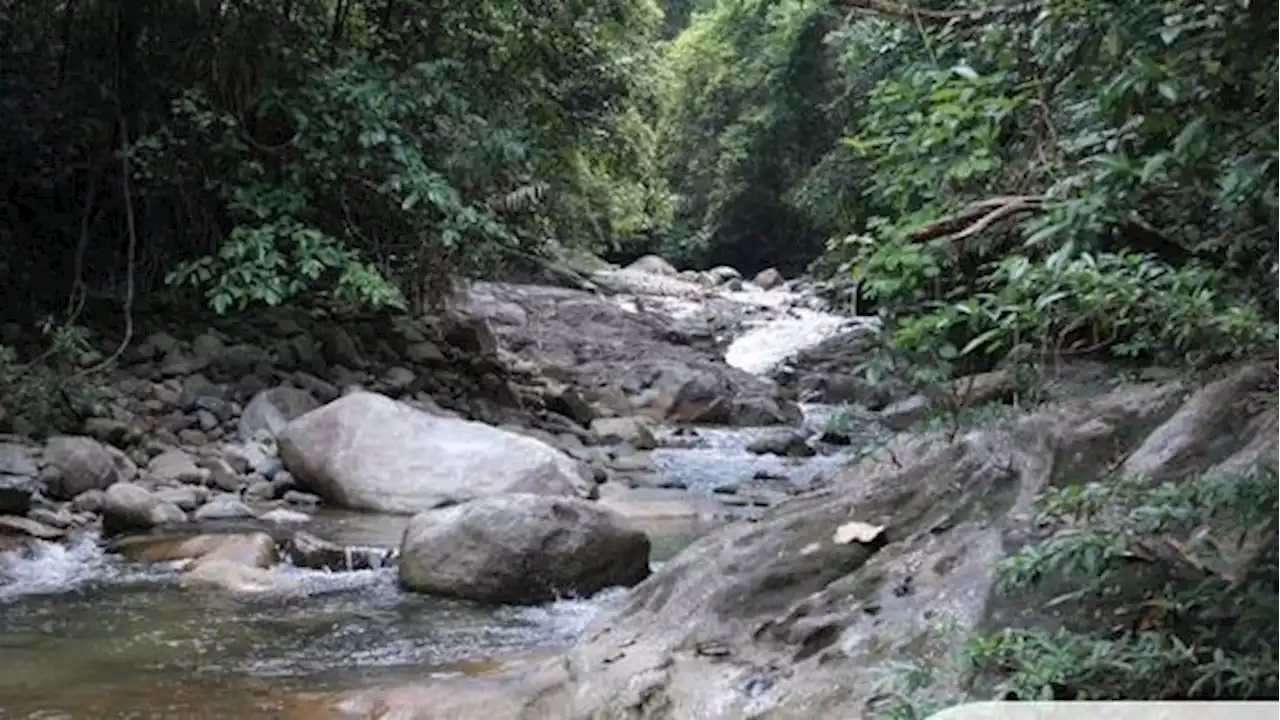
797	615
628	362
368	452
521	549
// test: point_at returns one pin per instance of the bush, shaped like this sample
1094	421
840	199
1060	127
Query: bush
38	399
1174	598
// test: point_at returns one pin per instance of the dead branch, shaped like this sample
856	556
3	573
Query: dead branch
978	217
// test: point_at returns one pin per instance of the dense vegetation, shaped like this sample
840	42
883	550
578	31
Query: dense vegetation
262	151
1061	176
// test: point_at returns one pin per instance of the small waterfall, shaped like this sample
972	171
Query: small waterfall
793	322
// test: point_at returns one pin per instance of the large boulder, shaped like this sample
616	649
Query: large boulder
82	463
521	549
368	452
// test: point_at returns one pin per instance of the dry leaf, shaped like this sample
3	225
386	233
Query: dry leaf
857	532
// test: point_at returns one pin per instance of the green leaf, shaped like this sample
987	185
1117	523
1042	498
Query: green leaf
965	72
981	340
1167	91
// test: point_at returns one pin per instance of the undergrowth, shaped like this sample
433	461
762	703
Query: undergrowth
47	395
1175	599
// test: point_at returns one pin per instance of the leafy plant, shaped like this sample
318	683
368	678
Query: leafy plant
1191	564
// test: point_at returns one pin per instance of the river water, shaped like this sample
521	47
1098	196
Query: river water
86	634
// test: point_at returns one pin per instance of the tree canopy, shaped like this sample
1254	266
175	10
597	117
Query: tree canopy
371	149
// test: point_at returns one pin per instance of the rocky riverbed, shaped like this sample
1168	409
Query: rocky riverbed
232	525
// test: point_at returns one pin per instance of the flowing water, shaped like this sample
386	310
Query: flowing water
86	634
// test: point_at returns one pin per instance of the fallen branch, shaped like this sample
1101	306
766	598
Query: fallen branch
978	217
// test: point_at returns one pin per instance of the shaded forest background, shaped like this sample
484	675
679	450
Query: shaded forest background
369	152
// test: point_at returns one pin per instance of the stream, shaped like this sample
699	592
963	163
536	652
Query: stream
86	634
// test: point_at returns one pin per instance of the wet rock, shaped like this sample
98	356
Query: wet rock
59	518
11	525
225	507
129	508
248	549
569	403
308	551
366	451
787	444
521	548
285	516
238	580
791	617
303	499
82	464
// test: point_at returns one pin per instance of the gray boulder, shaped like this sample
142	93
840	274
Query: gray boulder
270	410
128	507
368	452
82	464
521	549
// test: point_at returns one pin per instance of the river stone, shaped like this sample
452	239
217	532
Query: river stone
251	549
768	278
129	507
368	452
722	274
787	443
635	431
521	549
653	265
239	580
224	507
176	466
270	410
82	464
308	551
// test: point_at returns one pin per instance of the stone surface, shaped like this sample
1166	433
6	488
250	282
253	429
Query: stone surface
82	464
128	507
368	452
798	615
270	410
521	548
